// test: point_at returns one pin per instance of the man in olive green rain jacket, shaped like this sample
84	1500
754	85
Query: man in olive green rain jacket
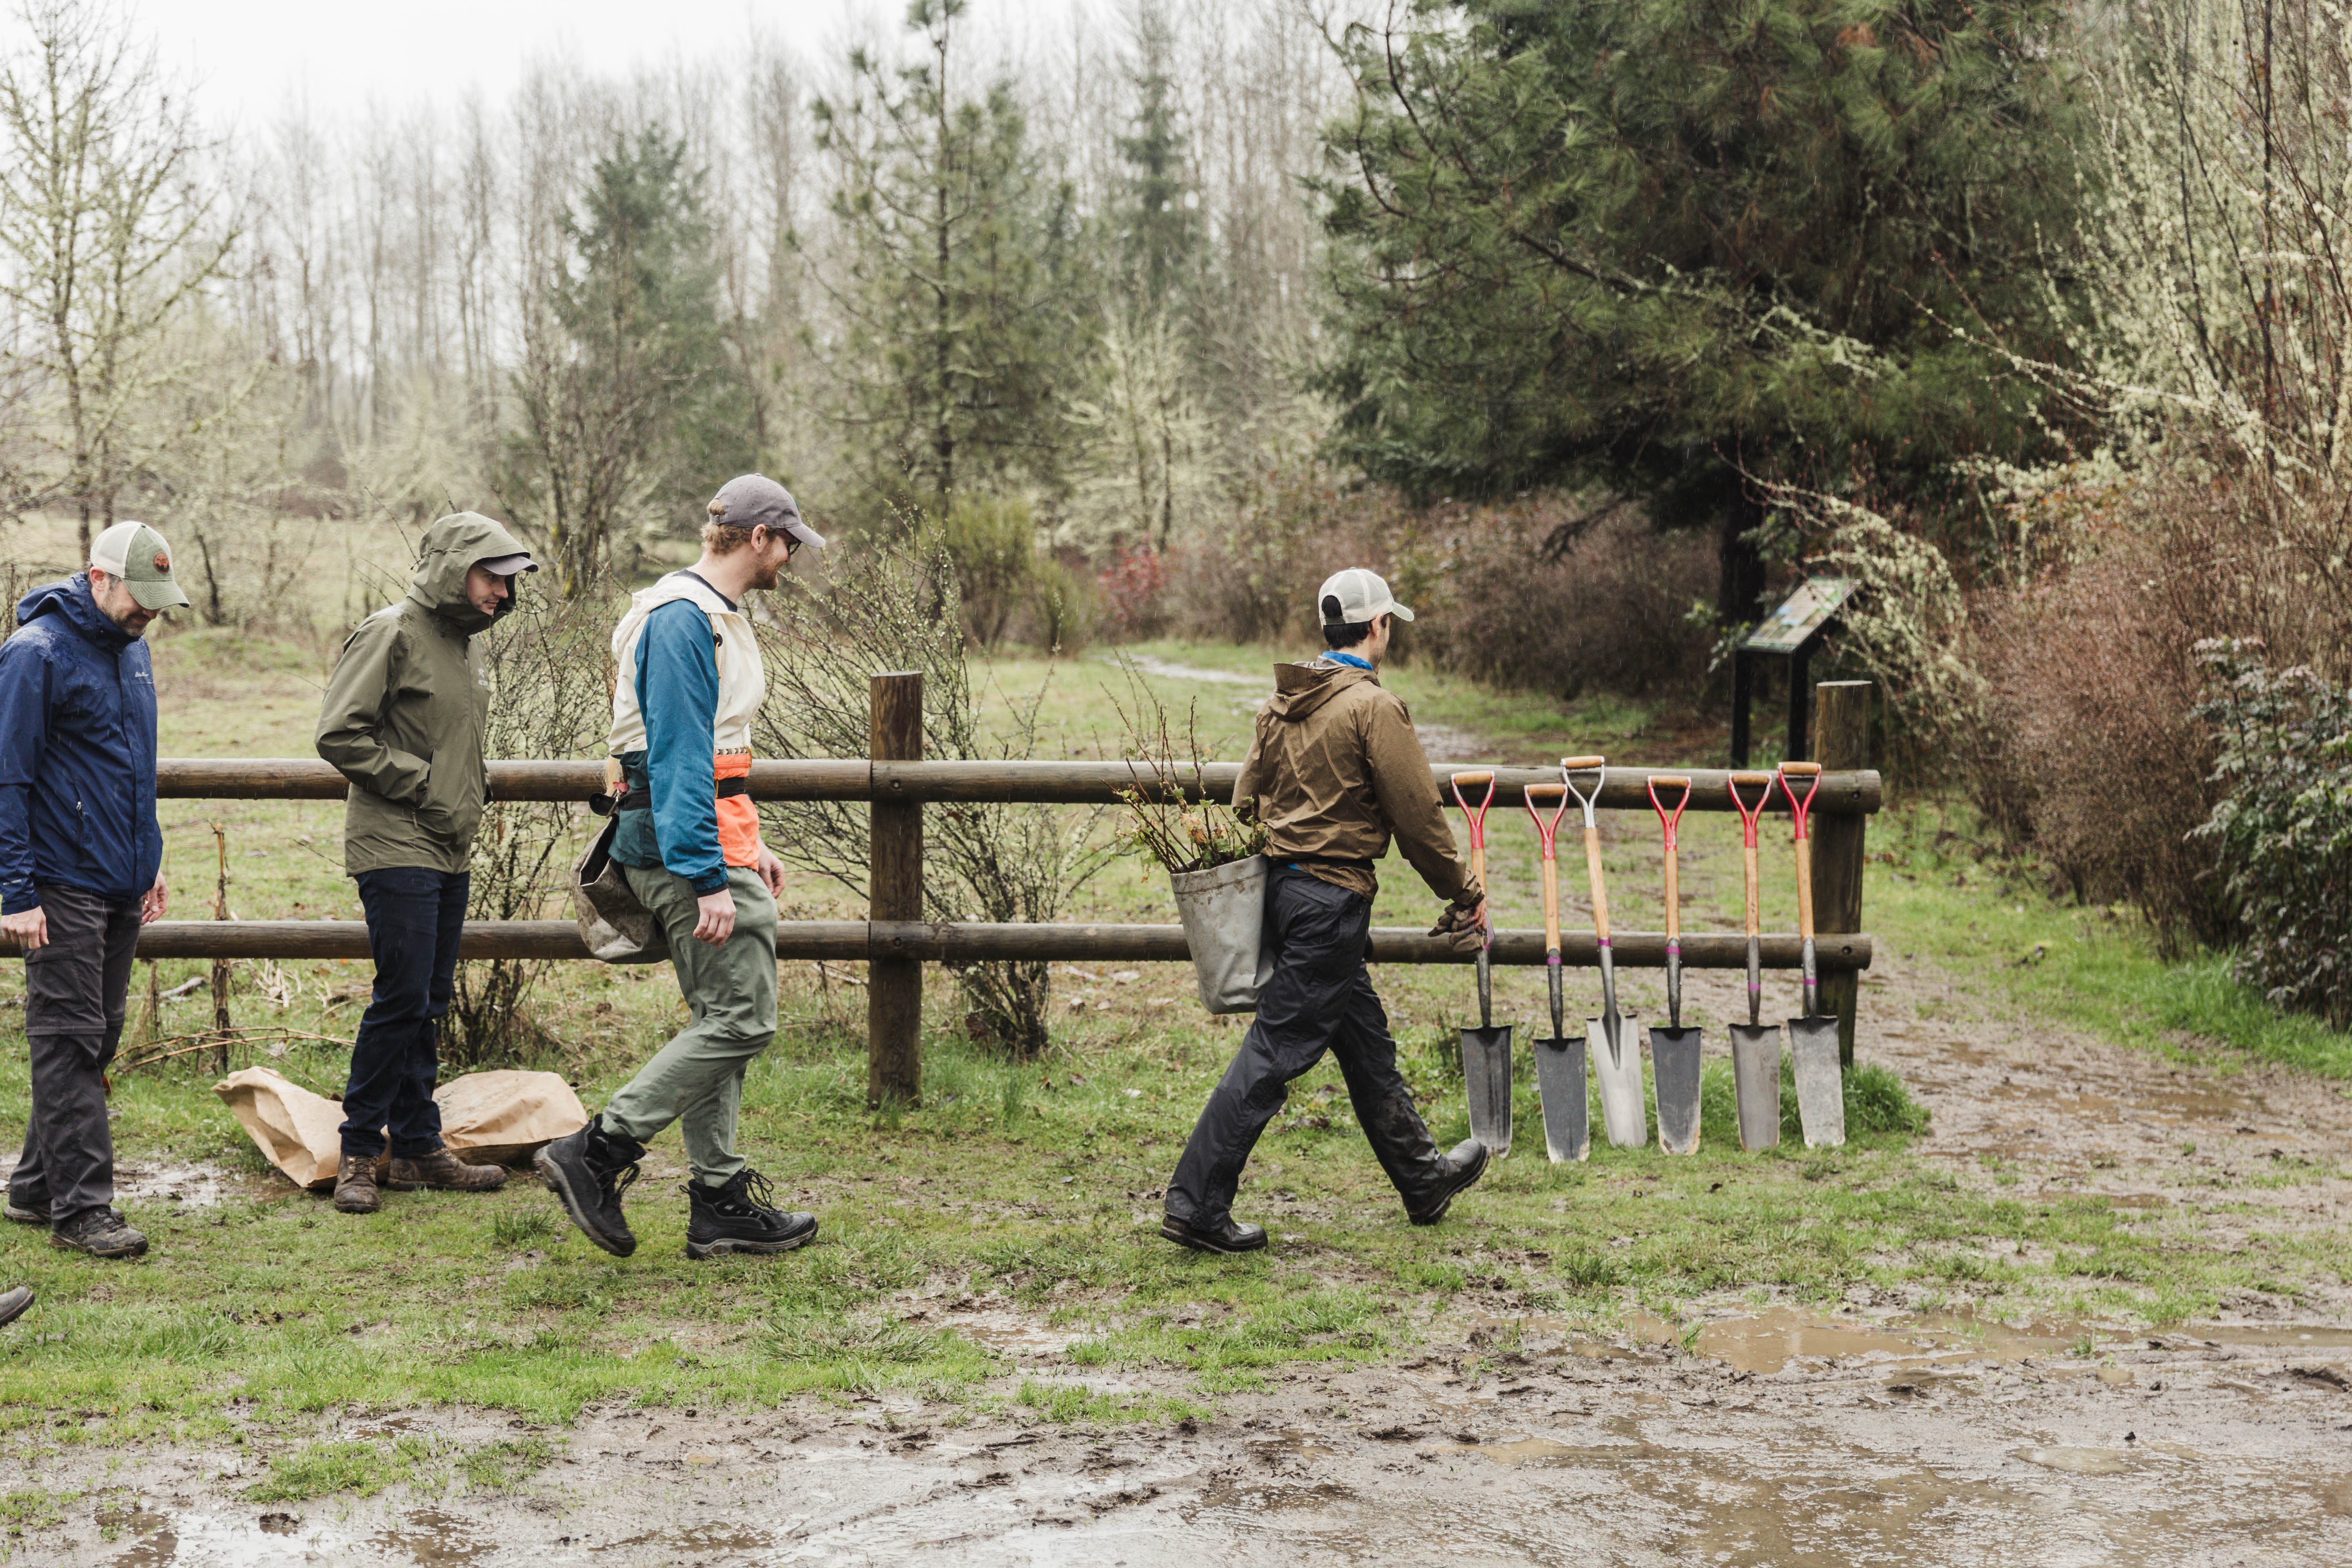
402	721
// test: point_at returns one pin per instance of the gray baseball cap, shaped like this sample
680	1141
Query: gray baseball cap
137	554
752	500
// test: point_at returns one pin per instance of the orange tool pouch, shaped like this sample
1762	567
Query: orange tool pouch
738	819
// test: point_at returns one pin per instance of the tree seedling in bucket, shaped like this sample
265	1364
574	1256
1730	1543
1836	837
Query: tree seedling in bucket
1559	1062
1616	1060
1486	1049
1755	1049
1812	1039
1675	1050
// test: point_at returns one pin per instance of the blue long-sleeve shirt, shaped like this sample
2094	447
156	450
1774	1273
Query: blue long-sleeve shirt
678	692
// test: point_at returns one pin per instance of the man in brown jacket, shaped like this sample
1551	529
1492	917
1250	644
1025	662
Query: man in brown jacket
1334	771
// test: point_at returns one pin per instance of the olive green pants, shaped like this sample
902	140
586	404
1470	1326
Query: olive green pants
696	1079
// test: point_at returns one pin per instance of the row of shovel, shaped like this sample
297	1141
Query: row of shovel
1675	1051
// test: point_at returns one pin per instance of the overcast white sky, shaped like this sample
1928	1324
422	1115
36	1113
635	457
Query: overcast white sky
251	57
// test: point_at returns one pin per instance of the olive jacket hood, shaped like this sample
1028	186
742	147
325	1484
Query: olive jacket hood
406	707
1334	770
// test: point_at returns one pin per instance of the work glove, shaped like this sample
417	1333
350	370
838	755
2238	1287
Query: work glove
1460	927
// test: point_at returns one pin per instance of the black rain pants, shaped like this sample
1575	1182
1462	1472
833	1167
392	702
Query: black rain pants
1319	999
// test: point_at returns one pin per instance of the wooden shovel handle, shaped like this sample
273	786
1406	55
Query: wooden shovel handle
1747	853
1674	898
1551	901
1580	764
1805	888
1600	896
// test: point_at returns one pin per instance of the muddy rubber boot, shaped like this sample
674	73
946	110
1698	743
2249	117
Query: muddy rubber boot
1227	1237
589	1171
1464	1166
101	1233
13	1304
742	1217
443	1169
355	1184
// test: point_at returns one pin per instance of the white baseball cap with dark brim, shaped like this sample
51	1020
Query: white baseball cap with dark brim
137	554
755	501
1353	597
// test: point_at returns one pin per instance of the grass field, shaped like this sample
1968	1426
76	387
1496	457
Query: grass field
1032	1190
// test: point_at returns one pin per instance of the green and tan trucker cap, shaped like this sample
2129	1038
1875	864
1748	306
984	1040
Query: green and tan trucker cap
137	553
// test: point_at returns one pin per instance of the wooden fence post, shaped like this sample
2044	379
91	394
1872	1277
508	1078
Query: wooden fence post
1840	743
894	989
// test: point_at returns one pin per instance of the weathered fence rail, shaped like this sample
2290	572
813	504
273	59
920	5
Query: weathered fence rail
1853	793
934	942
897	783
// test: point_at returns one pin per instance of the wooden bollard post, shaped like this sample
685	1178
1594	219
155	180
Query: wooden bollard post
894	989
1840	743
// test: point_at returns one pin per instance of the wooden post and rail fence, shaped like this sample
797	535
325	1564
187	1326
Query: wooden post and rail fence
896	942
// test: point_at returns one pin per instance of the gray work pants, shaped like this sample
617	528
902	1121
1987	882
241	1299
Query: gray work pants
75	985
696	1079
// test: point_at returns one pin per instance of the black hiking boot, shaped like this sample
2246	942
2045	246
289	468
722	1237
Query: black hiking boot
1464	1166
101	1233
590	1171
742	1217
13	1304
1227	1237
28	1212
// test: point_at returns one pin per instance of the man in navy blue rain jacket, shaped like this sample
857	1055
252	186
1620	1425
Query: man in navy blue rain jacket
81	863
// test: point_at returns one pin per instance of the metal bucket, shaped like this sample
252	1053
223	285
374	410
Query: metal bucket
1224	911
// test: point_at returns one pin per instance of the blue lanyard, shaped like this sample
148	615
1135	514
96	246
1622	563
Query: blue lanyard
1348	659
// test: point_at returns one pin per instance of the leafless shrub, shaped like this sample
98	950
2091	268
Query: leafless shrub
552	685
895	607
1560	594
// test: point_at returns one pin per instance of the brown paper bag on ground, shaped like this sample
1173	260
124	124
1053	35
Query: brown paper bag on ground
296	1130
492	1117
503	1117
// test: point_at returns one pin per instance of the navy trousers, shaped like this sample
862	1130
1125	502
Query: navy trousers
414	919
1319	999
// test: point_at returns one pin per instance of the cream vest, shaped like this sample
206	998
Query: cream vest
743	682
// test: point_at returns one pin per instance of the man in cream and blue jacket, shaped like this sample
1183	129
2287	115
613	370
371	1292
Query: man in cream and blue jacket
689	683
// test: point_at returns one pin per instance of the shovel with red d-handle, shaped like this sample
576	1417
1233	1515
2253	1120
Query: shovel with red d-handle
1486	1049
1675	1050
1755	1049
1812	1039
1560	1061
1616	1060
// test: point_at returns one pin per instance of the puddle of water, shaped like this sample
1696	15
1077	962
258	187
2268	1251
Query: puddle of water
1771	1341
210	1540
696	1541
434	1539
2078	1461
1009	1334
179	1184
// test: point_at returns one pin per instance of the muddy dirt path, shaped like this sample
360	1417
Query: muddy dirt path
1875	1432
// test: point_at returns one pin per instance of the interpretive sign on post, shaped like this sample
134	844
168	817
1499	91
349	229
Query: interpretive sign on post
1789	632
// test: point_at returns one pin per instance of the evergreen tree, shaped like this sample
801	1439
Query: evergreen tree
632	411
1159	230
1683	246
963	263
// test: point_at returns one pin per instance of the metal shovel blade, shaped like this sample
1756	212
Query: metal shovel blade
1487	1083
1821	1089
1755	1073
1619	1069
1674	1065
1567	1114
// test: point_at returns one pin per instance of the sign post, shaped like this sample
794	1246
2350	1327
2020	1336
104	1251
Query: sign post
1790	632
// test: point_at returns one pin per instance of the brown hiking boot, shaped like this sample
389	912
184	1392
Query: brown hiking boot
355	1184
443	1169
